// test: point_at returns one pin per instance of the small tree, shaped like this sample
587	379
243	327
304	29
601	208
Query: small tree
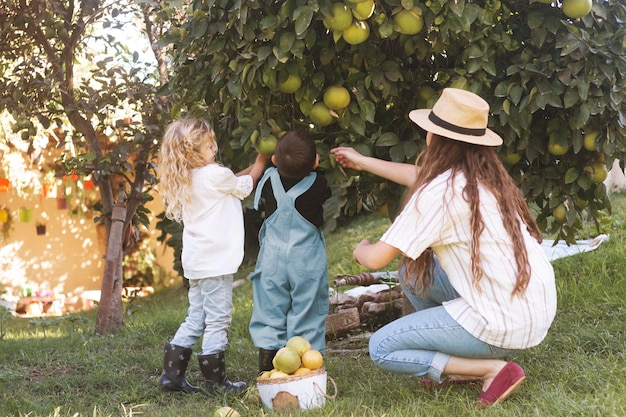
261	68
104	103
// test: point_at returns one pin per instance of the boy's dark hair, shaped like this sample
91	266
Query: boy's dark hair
295	154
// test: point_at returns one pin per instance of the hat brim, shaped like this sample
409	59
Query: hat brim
420	118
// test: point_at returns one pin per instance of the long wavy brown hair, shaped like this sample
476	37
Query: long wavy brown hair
480	165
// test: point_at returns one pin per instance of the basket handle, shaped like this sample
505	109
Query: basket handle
330	397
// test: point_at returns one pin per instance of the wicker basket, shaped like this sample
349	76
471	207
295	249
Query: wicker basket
301	391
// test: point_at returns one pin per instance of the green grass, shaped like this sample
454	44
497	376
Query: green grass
58	367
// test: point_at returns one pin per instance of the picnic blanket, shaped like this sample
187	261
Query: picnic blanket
562	249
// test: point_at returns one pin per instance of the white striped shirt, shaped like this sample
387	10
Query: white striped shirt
440	220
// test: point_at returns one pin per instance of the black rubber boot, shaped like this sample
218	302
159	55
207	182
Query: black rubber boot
213	367
265	360
175	361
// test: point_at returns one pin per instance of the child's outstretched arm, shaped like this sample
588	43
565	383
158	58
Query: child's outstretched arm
256	169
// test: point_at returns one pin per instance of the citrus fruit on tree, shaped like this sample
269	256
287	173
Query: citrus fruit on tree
312	359
291	84
356	33
336	97
299	344
408	22
598	172
226	412
575	9
557	144
340	19
266	145
364	10
589	140
320	114
287	360
559	213
512	158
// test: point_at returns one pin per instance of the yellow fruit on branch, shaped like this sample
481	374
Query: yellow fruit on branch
320	114
598	172
559	213
364	10
589	140
340	18
291	84
336	97
575	9
356	33
267	145
408	22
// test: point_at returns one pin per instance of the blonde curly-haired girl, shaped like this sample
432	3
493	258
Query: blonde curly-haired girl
205	197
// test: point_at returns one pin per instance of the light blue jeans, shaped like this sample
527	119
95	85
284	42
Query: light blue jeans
421	343
209	314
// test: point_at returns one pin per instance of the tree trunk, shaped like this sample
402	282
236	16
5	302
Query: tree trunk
110	313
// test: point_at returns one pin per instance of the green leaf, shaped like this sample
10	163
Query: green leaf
571	175
388	139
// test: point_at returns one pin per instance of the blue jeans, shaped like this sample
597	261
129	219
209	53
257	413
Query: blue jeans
209	314
421	343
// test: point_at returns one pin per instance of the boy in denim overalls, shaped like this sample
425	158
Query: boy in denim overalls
290	280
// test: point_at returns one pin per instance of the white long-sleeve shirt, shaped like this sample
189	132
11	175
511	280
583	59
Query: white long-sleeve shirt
213	233
442	222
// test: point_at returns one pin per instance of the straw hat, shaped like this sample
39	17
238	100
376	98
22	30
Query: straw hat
459	115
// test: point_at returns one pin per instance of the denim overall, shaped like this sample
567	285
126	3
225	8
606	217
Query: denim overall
290	281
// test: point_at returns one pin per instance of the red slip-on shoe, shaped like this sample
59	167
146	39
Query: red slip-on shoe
507	381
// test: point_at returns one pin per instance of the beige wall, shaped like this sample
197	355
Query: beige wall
67	259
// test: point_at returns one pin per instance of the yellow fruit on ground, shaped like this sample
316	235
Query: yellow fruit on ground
356	33
336	97
299	344
364	10
575	9
226	412
287	360
408	22
320	114
312	359
340	19
291	84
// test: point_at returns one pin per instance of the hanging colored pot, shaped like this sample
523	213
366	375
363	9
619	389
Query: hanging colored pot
4	215
41	229
25	214
5	185
62	203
